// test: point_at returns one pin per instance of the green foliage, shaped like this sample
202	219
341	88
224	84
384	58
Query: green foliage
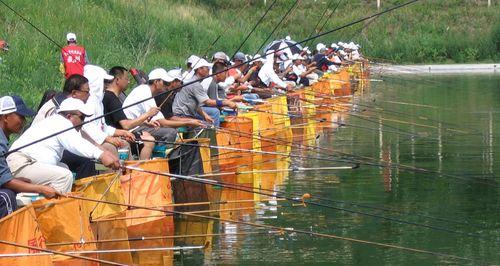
153	33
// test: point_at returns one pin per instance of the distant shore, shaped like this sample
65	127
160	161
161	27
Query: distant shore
492	68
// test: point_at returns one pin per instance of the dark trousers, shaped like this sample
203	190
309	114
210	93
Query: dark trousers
7	202
83	167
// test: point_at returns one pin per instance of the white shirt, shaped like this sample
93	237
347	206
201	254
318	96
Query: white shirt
47	109
140	93
50	151
298	70
267	74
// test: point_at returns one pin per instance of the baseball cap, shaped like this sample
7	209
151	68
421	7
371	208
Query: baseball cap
175	73
240	56
73	104
71	37
201	63
14	104
160	73
221	56
192	59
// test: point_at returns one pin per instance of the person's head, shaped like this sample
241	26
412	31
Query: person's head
202	68
121	78
220	57
176	74
239	58
71	38
74	110
159	80
297	59
192	59
4	46
258	61
13	113
77	86
219	67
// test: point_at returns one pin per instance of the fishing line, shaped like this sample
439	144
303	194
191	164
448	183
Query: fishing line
303	200
276	27
282	229
213	74
254	27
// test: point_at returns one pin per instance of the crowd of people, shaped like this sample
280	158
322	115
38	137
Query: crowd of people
93	118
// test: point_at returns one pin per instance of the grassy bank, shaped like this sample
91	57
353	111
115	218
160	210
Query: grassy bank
152	33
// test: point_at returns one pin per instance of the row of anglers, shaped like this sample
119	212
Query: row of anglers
150	114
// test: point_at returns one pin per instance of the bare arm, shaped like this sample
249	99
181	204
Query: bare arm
18	186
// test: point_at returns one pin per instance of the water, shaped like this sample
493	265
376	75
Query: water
458	146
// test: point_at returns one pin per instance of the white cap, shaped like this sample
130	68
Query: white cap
259	58
71	37
175	73
288	38
73	104
334	45
297	57
92	72
320	46
160	73
192	59
201	63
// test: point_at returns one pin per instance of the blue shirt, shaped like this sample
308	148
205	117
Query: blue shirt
5	174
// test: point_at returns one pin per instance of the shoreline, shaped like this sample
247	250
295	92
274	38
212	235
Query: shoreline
490	68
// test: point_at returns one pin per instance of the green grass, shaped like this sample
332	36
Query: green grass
153	33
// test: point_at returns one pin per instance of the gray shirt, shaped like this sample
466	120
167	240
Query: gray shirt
5	174
189	98
215	91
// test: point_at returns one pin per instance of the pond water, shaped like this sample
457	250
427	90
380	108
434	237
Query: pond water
440	134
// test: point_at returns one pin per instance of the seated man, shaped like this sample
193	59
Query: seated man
189	100
117	118
40	161
268	75
12	117
300	73
141	101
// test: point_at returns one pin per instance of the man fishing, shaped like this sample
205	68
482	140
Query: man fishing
13	113
40	161
140	101
189	101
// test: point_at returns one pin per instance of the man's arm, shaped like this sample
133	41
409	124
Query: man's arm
18	186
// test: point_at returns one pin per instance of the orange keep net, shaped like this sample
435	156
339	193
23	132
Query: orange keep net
21	227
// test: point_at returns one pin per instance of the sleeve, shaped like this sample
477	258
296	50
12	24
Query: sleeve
200	94
111	104
5	174
95	132
277	80
72	141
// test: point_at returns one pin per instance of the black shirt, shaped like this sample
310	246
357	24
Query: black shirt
111	102
166	108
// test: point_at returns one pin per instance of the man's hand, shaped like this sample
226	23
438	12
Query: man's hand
209	119
153	111
110	160
154	124
195	123
114	141
289	87
49	192
124	134
231	104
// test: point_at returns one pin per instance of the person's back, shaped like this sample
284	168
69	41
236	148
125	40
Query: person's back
73	56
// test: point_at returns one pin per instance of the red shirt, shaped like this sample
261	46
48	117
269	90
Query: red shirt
73	57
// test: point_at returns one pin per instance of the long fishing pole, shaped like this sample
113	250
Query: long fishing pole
315	29
284	230
213	74
49	251
276	27
328	18
254	27
303	200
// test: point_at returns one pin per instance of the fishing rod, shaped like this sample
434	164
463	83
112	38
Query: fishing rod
358	159
303	200
143	238
103	251
66	254
276	27
328	18
213	74
283	229
254	27
317	23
